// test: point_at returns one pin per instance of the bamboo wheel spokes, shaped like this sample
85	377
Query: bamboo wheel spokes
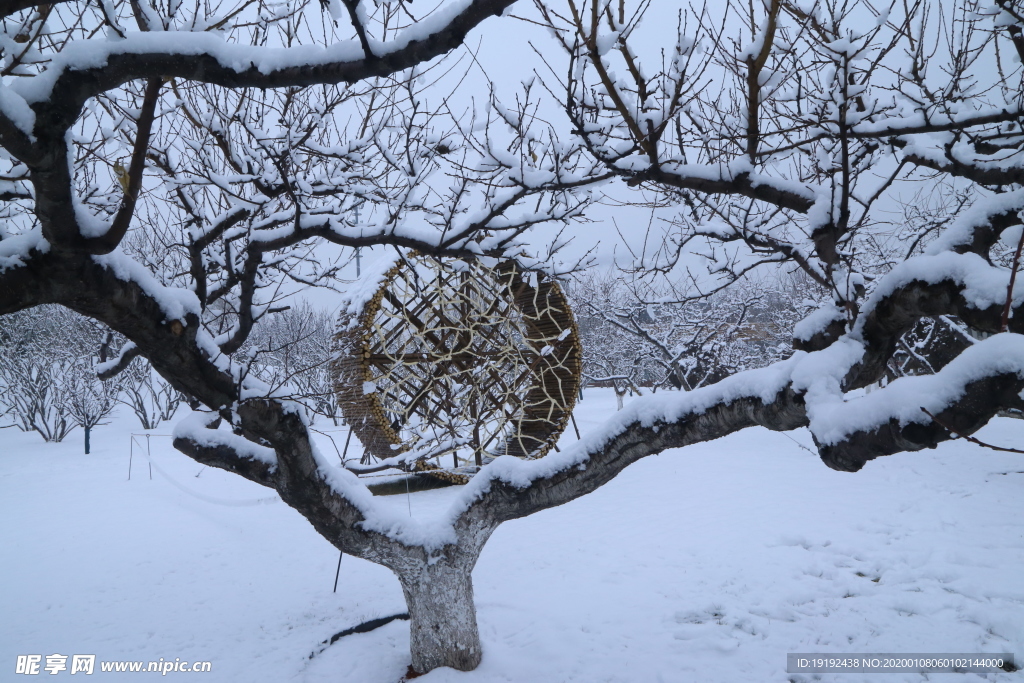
452	363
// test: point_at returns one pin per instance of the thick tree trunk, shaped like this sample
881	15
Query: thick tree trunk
437	582
443	630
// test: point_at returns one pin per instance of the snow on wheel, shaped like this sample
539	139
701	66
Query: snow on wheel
450	363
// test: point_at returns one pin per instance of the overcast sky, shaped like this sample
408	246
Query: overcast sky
505	52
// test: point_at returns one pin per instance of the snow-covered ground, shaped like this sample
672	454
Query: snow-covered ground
704	564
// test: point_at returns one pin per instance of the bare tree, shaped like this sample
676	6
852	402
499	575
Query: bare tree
631	337
49	385
611	355
151	398
825	116
292	348
172	185
33	387
89	400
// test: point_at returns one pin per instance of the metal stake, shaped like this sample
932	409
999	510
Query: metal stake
347	439
408	497
338	573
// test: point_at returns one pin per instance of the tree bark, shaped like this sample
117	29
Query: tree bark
437	583
443	629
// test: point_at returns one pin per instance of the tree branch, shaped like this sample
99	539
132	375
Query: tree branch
646	427
122	220
979	402
111	369
742	185
211	60
9	7
973	440
225	457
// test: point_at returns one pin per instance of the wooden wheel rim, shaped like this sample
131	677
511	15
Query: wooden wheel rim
455	362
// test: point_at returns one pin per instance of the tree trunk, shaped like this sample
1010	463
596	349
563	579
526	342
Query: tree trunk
443	630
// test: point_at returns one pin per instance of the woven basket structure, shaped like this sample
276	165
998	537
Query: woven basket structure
452	363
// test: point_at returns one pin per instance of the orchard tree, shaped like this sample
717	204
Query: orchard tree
90	401
47	377
151	398
292	348
171	169
611	355
169	184
786	133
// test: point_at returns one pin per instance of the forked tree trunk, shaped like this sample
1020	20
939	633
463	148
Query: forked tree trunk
436	581
443	630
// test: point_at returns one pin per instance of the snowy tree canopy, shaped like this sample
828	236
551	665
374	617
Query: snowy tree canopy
877	150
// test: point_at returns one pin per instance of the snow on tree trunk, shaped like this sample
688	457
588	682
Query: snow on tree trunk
443	629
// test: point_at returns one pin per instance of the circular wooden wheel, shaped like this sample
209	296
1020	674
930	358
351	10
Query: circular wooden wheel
451	363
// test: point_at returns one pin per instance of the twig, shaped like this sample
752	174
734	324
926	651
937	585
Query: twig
1005	322
958	435
798	443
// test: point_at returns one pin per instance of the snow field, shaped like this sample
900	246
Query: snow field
707	564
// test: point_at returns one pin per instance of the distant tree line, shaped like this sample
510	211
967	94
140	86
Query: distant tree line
50	357
637	340
633	341
680	339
